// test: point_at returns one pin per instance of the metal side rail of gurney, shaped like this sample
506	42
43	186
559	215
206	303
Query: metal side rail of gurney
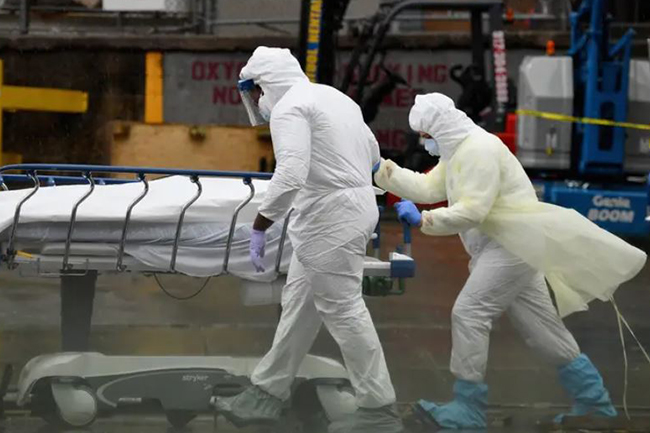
78	264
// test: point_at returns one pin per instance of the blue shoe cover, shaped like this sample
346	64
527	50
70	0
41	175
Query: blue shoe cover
466	411
583	382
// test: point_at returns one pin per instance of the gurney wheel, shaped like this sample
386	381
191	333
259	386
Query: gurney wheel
67	405
179	418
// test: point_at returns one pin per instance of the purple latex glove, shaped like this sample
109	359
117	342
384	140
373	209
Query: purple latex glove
258	242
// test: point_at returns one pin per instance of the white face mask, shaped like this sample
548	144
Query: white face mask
431	146
264	107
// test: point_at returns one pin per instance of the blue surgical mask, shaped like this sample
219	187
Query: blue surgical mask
431	146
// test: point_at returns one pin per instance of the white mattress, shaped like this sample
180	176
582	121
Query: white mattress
44	223
163	203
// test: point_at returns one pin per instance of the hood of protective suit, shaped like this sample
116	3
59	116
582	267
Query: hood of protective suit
436	115
275	70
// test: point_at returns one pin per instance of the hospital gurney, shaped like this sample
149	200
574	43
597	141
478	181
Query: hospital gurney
192	222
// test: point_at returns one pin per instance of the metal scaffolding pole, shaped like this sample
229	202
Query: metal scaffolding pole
24	16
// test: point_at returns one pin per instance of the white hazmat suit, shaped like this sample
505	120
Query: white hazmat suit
325	154
514	242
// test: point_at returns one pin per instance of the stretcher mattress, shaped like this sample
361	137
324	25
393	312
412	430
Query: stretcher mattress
44	221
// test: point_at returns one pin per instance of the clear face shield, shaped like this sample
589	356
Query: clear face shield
250	96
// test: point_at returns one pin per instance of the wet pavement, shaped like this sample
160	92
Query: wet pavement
515	421
206	424
133	316
149	425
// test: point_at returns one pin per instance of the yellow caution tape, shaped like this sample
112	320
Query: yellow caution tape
24	255
586	120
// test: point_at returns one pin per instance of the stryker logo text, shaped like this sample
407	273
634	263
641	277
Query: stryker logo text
195	378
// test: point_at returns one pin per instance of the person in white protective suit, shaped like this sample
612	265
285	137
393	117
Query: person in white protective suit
325	154
515	242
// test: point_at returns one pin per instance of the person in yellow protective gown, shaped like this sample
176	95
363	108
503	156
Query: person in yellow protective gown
515	243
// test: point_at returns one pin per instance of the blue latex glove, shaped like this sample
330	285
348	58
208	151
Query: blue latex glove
408	213
257	245
375	168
